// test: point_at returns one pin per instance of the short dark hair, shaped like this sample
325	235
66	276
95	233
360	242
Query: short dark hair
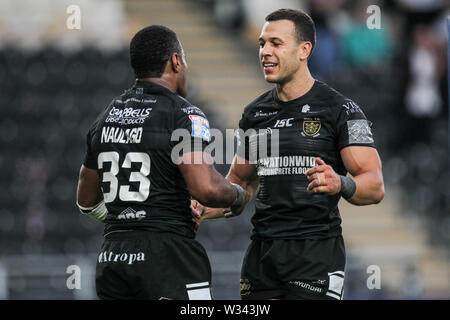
150	49
304	25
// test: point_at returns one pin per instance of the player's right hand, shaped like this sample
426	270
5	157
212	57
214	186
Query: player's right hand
323	178
228	213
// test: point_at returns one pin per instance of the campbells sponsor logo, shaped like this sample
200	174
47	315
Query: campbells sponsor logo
119	135
307	286
128	115
128	258
286	165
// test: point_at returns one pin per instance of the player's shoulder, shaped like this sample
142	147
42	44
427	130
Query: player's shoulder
328	94
169	100
185	108
262	101
332	98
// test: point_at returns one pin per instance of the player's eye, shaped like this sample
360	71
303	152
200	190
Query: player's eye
261	44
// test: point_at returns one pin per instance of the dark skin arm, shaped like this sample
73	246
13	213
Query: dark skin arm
89	192
242	172
204	182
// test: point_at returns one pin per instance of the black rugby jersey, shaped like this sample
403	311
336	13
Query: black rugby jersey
130	146
318	124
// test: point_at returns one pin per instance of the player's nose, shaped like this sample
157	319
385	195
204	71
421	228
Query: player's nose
265	51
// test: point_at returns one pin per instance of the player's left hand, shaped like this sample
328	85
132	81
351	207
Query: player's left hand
323	178
197	209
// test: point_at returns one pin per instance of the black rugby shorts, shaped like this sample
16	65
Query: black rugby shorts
147	265
293	269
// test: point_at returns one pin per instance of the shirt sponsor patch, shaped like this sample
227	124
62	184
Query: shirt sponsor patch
359	131
200	127
351	107
193	109
286	165
127	116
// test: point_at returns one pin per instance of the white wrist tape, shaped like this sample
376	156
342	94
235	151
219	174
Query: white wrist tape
97	212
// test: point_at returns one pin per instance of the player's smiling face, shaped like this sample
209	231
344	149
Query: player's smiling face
279	51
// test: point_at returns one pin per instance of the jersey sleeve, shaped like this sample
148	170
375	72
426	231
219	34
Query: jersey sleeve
353	128
193	131
89	158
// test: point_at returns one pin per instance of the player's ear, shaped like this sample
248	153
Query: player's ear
305	49
176	62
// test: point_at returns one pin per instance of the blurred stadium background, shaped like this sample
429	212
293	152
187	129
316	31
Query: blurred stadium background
54	81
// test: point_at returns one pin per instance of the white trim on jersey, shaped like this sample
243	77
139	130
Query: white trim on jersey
199	291
336	284
198	284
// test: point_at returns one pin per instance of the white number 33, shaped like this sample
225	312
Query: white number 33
140	176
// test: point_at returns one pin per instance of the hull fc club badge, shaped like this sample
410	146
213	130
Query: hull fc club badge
311	128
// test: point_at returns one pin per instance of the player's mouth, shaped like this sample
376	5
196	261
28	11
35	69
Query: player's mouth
269	66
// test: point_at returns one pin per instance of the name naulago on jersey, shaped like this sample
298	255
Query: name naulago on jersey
119	135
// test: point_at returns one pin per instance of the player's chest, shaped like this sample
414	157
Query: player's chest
304	127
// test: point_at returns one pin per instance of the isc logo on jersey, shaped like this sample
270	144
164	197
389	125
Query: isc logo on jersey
281	123
200	127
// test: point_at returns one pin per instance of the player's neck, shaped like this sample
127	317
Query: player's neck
163	81
298	86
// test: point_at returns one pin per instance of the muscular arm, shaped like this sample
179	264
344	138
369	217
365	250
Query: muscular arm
241	172
89	195
363	163
89	192
204	182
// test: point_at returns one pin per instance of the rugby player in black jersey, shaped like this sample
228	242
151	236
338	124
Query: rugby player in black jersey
297	250
133	180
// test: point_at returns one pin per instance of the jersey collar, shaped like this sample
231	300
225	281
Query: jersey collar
298	100
149	88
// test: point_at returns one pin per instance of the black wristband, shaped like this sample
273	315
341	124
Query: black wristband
348	187
239	199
